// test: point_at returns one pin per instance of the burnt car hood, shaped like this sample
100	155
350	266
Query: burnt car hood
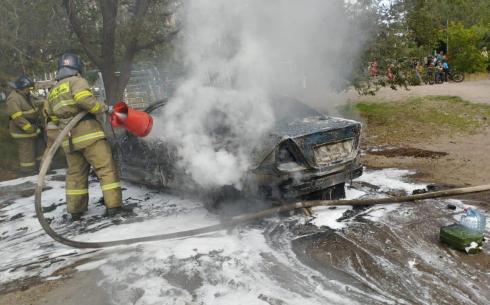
309	125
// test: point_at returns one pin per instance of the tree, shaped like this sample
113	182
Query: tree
428	20
391	46
112	33
30	37
466	55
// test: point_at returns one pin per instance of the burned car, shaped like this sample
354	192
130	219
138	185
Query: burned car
307	155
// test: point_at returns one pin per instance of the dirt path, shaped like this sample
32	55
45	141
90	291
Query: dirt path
458	160
474	91
449	158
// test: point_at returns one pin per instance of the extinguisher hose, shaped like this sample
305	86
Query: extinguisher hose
226	224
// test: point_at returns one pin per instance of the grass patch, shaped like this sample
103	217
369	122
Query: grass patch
419	117
8	149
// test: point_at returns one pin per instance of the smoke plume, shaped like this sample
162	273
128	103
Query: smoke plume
240	54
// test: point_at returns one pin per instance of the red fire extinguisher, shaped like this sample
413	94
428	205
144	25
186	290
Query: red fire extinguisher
137	122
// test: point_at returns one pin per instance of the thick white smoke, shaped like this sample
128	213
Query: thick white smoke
240	54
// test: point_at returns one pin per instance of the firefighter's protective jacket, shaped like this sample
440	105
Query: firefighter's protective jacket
23	115
66	99
24	128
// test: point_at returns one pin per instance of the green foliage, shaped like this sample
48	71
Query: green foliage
32	34
409	30
465	54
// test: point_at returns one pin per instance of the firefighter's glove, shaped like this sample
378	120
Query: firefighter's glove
34	130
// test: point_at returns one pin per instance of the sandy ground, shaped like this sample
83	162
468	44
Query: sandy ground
466	162
474	91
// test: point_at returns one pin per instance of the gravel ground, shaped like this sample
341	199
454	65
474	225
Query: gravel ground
474	91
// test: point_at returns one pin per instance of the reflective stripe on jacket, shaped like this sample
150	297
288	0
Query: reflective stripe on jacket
69	97
87	137
22	114
23	135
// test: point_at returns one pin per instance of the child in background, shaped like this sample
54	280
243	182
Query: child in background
445	67
419	70
440	73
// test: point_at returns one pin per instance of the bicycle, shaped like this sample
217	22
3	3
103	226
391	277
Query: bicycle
429	78
455	76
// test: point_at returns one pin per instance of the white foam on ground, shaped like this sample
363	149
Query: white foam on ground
386	179
378	212
390	179
241	266
91	265
18	181
325	216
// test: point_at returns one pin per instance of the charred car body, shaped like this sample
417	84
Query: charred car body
307	155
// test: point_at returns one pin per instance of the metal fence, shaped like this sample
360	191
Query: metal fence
144	88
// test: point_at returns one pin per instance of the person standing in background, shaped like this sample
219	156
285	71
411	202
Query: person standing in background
419	70
445	67
24	124
440	57
373	69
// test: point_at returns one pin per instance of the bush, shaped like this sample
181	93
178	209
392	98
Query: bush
464	53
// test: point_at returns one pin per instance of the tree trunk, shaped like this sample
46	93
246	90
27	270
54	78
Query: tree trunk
115	84
112	92
125	68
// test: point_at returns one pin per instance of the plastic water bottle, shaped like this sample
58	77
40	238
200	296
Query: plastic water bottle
474	220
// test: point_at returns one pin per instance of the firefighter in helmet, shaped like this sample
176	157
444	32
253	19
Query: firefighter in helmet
24	124
86	144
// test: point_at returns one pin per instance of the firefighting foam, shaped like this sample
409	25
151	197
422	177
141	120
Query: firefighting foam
240	266
240	55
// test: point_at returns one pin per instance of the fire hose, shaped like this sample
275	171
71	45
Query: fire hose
226	224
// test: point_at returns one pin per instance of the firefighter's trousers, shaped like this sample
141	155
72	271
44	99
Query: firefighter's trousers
30	152
99	156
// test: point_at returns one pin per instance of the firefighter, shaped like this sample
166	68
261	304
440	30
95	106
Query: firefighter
86	144
52	130
23	125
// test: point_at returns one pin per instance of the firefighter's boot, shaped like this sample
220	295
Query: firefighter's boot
122	210
76	216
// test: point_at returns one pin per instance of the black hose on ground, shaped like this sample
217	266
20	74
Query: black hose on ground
48	157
